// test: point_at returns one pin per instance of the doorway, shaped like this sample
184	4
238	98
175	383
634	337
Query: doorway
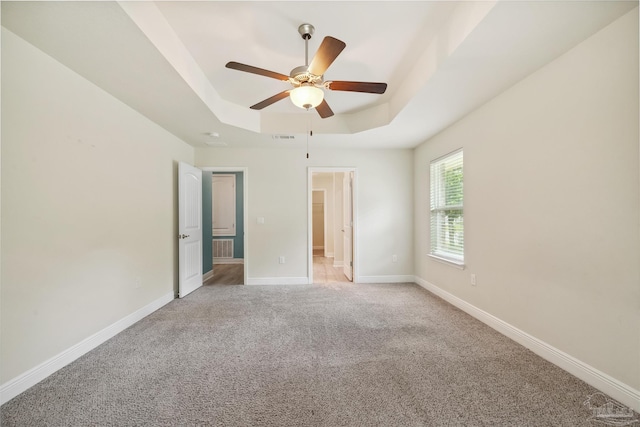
225	249
319	214
334	260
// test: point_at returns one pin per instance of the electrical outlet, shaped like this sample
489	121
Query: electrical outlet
137	284
281	260
394	258
473	280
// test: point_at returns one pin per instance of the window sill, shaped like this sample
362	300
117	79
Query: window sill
456	264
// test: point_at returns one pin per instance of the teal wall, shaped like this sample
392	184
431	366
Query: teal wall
238	240
207	226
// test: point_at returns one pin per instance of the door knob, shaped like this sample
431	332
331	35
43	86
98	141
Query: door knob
183	236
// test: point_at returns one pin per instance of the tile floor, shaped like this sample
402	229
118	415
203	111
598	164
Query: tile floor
324	271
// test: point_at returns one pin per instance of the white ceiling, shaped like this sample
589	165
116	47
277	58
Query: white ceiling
441	60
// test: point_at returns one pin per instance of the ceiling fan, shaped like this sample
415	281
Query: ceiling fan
307	80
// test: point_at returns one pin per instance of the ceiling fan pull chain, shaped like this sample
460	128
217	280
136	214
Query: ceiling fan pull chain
309	133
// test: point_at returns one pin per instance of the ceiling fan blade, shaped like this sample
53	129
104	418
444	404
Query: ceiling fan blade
328	51
324	110
367	87
275	98
255	70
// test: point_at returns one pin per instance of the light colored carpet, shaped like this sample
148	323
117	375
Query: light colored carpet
333	355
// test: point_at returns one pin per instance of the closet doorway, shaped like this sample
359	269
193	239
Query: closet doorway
319	214
331	224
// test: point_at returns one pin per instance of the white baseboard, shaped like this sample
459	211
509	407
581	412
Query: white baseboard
21	383
228	261
624	393
338	264
206	276
278	281
328	255
385	279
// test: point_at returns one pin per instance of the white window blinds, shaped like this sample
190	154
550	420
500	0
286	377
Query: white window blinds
447	228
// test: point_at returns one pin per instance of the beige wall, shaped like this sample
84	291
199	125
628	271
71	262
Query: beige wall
552	204
277	180
324	181
318	219
88	208
338	220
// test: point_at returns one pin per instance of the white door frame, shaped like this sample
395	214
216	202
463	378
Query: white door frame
245	204
354	214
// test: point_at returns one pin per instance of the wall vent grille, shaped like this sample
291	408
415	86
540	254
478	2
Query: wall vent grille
222	248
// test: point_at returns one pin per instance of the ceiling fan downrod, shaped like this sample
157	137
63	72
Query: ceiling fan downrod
306	31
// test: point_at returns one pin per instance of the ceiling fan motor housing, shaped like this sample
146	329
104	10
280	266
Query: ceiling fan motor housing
301	75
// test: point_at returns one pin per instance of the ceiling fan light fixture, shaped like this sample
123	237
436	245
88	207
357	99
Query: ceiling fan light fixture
306	96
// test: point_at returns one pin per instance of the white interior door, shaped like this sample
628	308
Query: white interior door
189	228
347	224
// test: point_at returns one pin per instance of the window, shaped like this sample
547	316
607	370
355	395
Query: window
447	229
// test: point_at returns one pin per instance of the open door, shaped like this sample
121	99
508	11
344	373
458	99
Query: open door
189	228
347	225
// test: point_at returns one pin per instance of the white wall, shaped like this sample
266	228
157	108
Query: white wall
277	180
552	204
88	209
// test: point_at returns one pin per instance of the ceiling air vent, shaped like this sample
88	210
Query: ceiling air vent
283	137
